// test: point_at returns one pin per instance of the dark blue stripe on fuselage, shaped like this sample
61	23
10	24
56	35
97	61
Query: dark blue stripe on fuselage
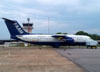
54	43
69	41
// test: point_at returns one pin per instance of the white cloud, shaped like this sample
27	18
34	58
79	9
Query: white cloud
59	2
31	11
80	6
93	31
54	26
58	9
19	1
89	6
1	6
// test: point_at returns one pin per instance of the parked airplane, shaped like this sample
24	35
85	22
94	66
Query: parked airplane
17	32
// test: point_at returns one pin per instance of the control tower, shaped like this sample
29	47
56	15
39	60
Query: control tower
28	26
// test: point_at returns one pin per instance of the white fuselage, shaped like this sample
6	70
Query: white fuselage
38	38
49	38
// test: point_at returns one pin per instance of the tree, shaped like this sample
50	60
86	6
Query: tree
61	33
82	33
93	36
65	33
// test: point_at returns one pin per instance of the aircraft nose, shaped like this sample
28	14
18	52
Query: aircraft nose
96	42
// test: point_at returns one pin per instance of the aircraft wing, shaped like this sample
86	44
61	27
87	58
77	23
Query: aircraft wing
60	37
64	38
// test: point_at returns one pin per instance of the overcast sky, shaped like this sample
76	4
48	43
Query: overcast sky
67	16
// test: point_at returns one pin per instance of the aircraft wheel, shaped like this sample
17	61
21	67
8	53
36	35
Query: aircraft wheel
94	47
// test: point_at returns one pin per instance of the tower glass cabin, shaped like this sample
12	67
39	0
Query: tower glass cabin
28	26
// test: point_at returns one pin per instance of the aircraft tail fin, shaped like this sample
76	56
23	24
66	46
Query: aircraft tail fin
13	27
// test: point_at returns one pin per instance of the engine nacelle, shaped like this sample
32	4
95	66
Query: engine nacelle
69	40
